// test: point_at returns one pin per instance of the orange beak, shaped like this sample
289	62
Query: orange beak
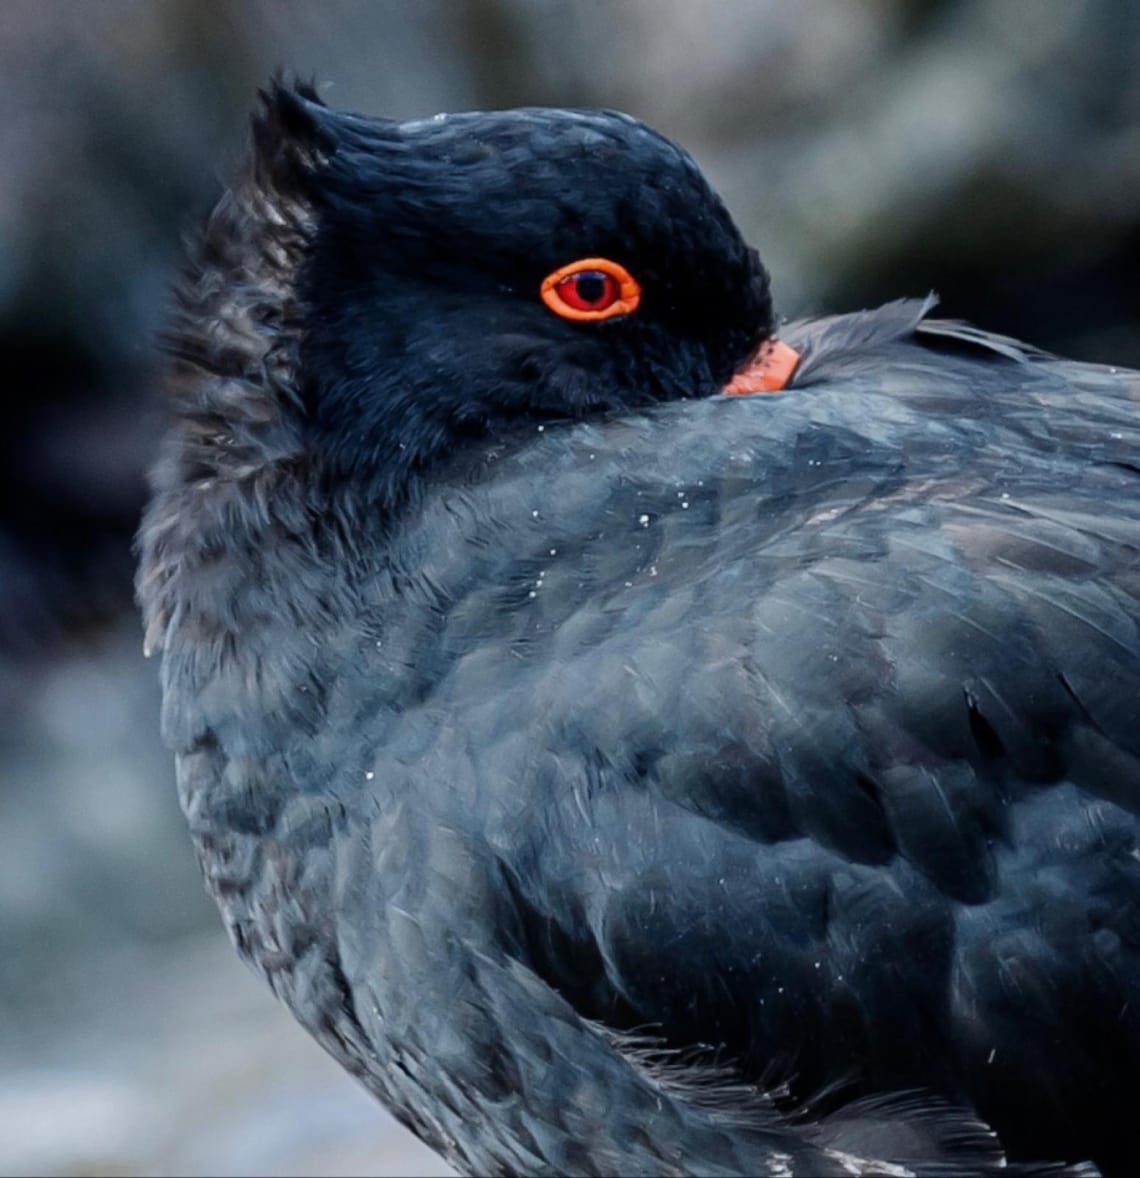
768	371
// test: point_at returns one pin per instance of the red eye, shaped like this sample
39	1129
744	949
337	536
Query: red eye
588	290
591	288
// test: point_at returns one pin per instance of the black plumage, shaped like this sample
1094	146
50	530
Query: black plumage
615	776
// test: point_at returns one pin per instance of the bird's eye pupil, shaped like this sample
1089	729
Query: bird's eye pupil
589	290
591	286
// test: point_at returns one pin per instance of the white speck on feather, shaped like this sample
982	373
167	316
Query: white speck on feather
825	517
685	504
992	1055
532	594
368	775
534	513
542	429
643	520
554	552
858	1166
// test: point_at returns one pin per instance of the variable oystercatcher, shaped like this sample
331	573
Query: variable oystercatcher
616	776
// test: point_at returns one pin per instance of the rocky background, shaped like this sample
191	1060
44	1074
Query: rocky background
986	149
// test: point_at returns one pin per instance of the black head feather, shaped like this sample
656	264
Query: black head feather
387	285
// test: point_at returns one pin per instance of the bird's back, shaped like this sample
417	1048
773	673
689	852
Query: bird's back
662	778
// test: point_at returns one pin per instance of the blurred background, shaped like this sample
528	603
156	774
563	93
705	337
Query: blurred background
986	149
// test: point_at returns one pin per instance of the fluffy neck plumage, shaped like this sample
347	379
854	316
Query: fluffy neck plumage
234	450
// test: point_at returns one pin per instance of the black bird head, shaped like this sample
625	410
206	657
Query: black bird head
390	280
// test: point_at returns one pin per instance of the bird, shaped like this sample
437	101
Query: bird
631	733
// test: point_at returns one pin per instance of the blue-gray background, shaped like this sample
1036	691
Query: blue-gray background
987	149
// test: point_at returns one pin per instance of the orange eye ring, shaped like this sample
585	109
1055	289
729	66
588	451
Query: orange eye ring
590	289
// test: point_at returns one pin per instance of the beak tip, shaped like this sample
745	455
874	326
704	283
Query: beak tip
768	371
